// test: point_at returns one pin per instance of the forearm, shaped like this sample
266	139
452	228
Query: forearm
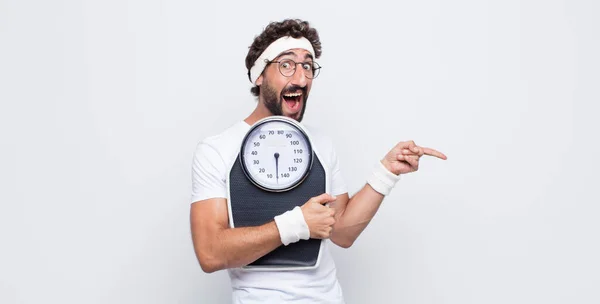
236	247
357	214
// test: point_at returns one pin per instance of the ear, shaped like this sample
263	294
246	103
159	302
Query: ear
259	80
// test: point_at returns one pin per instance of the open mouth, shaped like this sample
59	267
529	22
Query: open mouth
293	100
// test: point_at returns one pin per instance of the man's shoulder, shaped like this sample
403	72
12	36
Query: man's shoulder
224	145
319	137
228	138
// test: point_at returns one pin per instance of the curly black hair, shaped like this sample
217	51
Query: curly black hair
295	28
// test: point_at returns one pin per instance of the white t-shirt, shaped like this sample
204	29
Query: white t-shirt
212	160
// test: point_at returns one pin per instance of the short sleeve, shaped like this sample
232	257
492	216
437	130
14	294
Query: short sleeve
208	174
338	184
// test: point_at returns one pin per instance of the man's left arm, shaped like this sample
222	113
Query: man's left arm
352	215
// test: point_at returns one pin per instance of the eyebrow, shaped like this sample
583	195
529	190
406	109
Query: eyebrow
285	54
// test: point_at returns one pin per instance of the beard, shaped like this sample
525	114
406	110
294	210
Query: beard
274	101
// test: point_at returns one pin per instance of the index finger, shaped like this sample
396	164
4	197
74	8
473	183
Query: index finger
432	152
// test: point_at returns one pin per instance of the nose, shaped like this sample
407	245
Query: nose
299	78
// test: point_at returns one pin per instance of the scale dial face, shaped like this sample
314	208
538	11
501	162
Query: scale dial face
276	154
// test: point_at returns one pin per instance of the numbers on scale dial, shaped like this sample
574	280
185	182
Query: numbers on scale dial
290	163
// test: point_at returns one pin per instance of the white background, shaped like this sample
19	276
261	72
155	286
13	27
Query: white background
103	102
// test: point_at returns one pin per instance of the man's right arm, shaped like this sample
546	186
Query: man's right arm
219	247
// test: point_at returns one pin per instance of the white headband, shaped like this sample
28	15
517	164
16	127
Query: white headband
274	49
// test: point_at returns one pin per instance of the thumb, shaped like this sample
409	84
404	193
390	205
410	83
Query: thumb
324	198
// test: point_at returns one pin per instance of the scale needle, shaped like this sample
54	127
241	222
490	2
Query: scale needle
277	166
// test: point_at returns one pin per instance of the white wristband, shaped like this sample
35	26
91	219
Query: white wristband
382	180
292	226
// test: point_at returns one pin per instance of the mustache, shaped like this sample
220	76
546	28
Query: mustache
294	88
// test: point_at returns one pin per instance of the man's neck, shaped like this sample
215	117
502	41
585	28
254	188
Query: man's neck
259	113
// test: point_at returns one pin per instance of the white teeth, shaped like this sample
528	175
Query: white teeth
292	94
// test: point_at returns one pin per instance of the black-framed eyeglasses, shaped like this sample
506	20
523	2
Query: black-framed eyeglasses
287	67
